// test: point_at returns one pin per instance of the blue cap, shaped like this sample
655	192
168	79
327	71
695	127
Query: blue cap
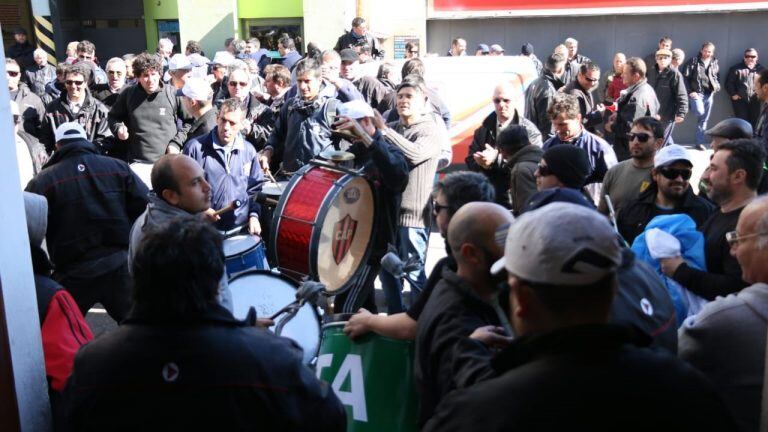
548	196
483	47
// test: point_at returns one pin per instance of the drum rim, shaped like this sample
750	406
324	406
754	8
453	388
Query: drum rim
315	236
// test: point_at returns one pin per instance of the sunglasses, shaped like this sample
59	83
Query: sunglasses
437	208
238	83
544	170
500	100
74	82
641	137
13	73
673	173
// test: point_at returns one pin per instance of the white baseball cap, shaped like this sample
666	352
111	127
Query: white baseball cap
496	48
179	61
196	89
223	58
670	154
68	131
560	244
355	109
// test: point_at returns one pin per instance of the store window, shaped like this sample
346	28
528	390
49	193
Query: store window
170	29
269	31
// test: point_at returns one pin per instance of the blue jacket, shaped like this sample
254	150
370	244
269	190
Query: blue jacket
601	154
242	181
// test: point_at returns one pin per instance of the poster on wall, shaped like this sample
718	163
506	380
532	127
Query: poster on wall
400	42
513	8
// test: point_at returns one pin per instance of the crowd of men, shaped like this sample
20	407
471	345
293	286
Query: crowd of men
558	306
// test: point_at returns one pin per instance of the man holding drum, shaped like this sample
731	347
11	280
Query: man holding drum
231	168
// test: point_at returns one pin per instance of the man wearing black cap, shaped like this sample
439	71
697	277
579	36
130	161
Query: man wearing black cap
568	368
668	193
92	203
21	50
527	50
372	90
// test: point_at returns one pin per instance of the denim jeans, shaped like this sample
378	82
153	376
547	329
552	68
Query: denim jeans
410	242
701	106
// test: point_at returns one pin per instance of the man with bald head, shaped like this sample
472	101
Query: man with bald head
464	300
484	156
726	339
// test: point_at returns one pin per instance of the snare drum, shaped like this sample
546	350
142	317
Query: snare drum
144	171
323	226
375	374
274	190
268	293
244	252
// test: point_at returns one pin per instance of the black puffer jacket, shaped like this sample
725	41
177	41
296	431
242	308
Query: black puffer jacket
203	372
498	173
538	96
92	117
92	203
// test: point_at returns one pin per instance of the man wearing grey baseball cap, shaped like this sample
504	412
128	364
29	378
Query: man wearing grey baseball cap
569	369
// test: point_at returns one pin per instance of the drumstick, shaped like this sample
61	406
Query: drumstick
229	207
271	178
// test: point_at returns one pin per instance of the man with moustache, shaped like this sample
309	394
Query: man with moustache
583	87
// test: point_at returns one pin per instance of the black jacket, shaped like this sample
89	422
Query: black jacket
590	117
538	96
498	174
103	93
92	117
152	121
31	108
697	77
452	313
205	372
349	40
522	182
92	203
741	81
591	377
639	101
669	86
203	125
635	215
37	77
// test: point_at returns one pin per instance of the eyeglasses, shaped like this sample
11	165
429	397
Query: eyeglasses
13	74
500	100
238	83
437	208
750	56
74	82
113	72
673	173
733	238
641	137
544	170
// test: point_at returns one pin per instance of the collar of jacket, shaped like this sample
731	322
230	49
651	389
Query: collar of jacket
648	196
633	88
87	100
530	153
237	145
549	76
71	149
214	314
457	283
569	340
160	211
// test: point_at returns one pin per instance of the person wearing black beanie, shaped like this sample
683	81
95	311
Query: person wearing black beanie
563	166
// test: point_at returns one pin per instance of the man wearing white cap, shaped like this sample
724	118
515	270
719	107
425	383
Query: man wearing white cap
386	167
496	50
197	101
92	203
668	193
179	68
220	70
568	369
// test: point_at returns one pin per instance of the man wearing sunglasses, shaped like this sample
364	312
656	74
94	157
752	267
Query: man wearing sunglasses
733	176
582	87
78	105
30	104
735	360
669	193
740	85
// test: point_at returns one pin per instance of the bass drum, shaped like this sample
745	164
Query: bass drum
268	293
323	226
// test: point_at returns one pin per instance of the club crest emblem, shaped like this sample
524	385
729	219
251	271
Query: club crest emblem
343	234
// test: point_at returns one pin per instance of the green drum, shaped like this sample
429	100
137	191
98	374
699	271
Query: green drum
373	378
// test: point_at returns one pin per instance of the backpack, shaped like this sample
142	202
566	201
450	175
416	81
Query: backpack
63	329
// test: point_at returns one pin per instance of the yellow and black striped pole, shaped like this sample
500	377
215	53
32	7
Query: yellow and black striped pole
44	35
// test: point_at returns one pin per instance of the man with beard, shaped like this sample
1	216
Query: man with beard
733	176
740	85
629	178
669	193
